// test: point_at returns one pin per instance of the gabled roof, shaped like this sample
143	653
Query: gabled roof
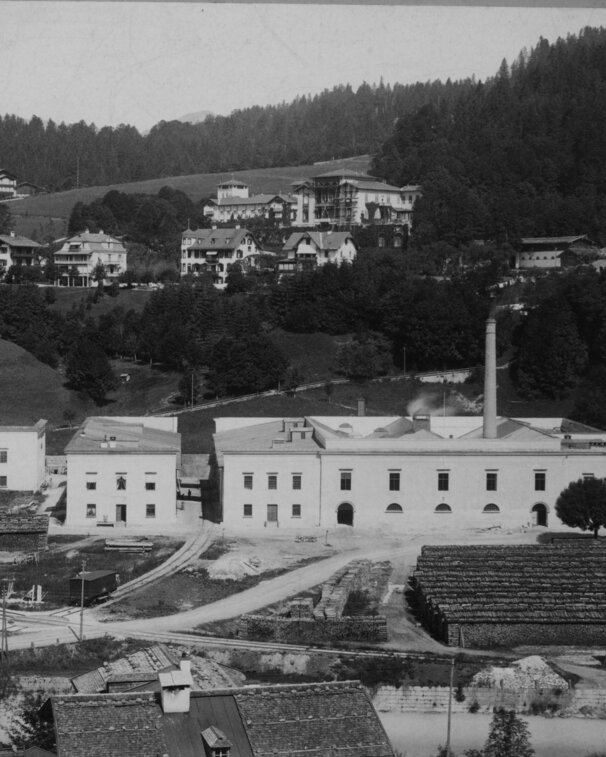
324	240
90	238
144	661
345	173
297	720
107	435
554	240
17	241
373	186
218	239
9	174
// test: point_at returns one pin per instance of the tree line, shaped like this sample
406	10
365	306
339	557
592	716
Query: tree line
340	122
517	155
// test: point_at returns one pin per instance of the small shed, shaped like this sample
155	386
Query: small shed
23	532
97	585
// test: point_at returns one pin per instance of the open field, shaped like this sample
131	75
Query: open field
57	566
32	214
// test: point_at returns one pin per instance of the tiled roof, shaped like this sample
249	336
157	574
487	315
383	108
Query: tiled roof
132	437
553	240
17	241
149	660
324	240
321	719
261	199
214	239
374	186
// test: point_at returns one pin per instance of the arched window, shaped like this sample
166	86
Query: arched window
394	508
443	508
491	508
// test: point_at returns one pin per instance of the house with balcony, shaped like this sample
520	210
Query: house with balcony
213	251
346	198
78	260
235	203
17	250
8	185
308	250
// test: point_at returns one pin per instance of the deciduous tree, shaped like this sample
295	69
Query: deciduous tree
583	504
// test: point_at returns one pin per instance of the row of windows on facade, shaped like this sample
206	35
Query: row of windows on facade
394	508
540	481
91	511
150	486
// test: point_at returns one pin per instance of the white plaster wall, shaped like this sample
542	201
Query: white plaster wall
25	464
235	495
418	496
106	496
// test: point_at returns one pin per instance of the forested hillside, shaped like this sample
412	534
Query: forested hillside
521	154
336	123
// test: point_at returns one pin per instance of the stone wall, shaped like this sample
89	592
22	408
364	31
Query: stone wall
490	635
311	630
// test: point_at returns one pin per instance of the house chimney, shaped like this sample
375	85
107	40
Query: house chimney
490	381
175	690
421	422
361	407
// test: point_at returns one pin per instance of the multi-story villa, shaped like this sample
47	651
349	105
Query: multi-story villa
17	250
235	203
80	257
214	250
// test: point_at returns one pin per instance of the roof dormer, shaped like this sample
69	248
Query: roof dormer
216	743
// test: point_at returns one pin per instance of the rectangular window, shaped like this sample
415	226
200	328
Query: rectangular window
248	481
3	455
91	485
588	476
345	480
247	512
443	481
394	481
272	481
150	486
540	480
296	511
272	513
150	511
491	481
91	511
3	482
296	480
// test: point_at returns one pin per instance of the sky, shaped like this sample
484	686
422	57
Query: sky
139	63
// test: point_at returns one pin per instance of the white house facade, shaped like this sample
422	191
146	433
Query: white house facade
8	185
80	255
123	471
399	473
312	249
346	198
22	456
214	250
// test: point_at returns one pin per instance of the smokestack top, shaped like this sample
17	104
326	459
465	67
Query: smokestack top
490	381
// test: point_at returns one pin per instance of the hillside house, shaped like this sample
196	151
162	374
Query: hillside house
27	189
77	260
345	198
298	720
22	456
553	252
213	250
8	185
311	249
17	250
235	203
123	471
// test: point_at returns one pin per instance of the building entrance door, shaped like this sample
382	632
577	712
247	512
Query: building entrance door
272	513
345	514
121	514
540	515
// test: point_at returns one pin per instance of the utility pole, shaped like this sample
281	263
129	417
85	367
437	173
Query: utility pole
82	601
4	644
452	664
192	388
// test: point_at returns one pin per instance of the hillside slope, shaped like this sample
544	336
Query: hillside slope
30	390
32	214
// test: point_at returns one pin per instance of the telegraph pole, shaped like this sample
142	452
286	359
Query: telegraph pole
82	601
4	643
452	664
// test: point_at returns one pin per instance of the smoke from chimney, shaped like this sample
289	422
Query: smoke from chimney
490	381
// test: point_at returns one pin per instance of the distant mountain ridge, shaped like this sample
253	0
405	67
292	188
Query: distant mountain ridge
195	118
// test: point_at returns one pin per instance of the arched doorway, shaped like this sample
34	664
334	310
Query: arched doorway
345	514
540	514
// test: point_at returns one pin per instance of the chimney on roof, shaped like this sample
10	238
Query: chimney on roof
361	407
490	381
421	422
175	689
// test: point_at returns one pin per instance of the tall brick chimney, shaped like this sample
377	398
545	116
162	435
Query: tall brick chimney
490	381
